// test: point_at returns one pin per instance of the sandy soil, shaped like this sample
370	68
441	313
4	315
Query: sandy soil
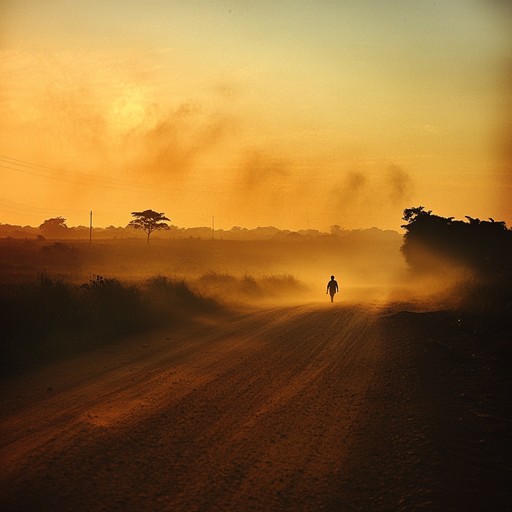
298	408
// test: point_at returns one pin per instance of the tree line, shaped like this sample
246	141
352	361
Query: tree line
149	220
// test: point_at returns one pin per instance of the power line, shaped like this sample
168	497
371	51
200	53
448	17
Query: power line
27	210
72	176
24	207
67	176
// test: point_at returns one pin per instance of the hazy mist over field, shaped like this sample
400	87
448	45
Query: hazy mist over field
291	269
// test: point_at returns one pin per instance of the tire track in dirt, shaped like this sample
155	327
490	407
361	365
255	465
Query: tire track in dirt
252	413
81	388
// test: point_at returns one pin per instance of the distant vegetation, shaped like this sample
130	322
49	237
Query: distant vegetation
359	257
57	229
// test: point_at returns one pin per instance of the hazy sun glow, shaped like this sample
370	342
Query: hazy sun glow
294	114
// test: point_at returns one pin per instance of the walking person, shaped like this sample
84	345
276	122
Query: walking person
332	288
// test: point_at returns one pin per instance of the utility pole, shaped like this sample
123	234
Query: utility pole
90	227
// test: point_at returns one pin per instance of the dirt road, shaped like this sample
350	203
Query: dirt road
286	408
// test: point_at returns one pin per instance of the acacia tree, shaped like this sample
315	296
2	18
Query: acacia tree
148	221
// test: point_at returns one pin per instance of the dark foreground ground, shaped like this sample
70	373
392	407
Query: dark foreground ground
319	407
445	417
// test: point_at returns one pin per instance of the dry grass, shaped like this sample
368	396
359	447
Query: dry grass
52	318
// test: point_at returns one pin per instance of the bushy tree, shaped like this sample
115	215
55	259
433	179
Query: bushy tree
335	229
54	227
148	221
485	246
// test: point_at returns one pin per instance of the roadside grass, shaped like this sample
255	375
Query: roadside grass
51	318
226	287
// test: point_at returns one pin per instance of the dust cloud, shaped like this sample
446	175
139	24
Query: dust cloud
110	118
351	191
176	141
282	266
359	194
399	184
116	131
264	185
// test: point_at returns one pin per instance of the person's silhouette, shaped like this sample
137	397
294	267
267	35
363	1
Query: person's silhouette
332	288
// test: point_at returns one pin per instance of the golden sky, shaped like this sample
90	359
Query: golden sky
294	114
